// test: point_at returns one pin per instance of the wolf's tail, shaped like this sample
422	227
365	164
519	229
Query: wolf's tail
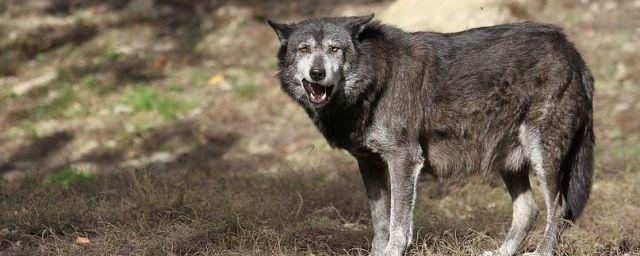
577	168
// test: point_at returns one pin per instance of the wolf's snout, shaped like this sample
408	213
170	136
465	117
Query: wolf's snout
317	74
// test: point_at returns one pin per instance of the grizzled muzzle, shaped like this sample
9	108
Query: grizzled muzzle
318	77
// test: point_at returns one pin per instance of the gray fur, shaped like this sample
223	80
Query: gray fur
502	99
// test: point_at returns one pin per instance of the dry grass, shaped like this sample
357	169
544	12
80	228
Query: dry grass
163	132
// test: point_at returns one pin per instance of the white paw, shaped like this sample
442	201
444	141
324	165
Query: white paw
491	253
488	253
531	254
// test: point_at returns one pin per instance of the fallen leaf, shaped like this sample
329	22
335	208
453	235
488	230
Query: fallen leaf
82	240
216	79
160	62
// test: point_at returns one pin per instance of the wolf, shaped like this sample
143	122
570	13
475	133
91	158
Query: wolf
508	99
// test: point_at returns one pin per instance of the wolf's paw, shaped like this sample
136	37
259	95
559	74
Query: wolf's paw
531	254
491	253
488	253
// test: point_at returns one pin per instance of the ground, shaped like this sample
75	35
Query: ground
157	127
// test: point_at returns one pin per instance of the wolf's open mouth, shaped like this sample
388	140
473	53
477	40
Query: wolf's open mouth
318	94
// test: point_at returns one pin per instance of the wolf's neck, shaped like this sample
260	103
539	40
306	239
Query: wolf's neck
344	125
341	129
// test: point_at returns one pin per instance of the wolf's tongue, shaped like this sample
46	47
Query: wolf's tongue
317	89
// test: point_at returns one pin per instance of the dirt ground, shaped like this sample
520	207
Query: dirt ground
156	127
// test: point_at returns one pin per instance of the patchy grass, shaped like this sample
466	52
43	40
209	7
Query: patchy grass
629	153
109	209
91	82
69	176
289	213
5	94
246	90
244	82
112	54
142	98
58	105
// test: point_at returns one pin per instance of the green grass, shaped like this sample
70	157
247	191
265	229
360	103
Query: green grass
145	99
628	152
573	19
69	176
5	94
175	87
91	81
112	55
246	90
200	76
244	82
58	105
29	127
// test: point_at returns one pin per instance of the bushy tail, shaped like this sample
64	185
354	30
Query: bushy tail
578	165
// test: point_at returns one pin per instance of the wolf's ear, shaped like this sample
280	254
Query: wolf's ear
282	30
358	23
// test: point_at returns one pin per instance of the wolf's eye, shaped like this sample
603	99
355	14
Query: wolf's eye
304	48
334	49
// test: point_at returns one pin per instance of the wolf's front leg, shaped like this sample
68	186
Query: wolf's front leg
374	175
404	169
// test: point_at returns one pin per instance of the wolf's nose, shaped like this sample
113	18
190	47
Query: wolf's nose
317	74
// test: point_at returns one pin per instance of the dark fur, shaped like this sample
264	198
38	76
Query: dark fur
462	98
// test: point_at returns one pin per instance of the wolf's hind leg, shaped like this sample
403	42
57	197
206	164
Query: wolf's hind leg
524	210
546	166
554	202
373	173
523	214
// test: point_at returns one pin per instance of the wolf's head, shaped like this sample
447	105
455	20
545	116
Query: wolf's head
315	55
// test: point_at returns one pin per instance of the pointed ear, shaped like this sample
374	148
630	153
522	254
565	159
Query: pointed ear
358	23
282	30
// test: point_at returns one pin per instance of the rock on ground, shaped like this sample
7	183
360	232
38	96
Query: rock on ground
452	16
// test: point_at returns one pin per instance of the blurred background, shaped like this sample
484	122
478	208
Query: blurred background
157	127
